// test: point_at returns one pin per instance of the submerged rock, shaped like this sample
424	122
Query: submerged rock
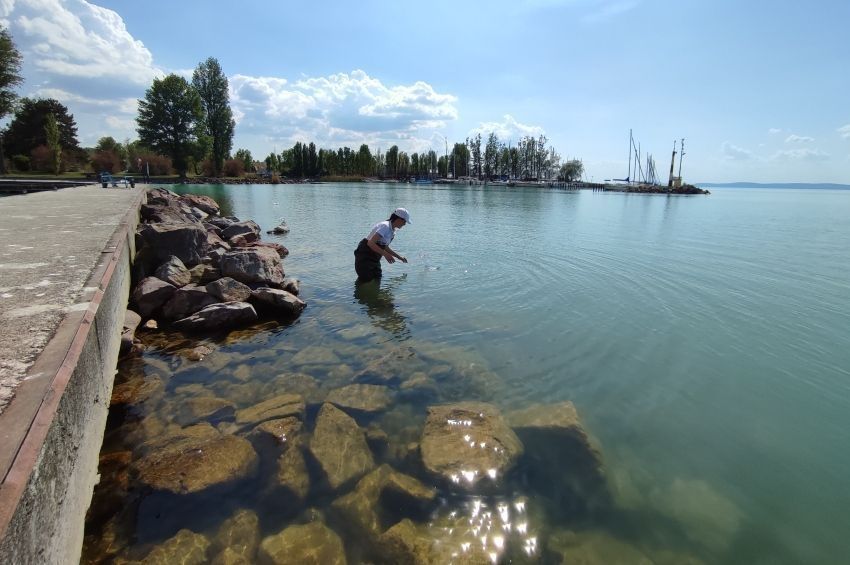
560	461
391	368
467	442
239	536
186	548
208	408
292	474
315	355
310	544
360	397
281	431
200	459
280	406
297	383
339	446
218	316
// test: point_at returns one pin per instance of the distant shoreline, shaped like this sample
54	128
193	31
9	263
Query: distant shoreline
822	185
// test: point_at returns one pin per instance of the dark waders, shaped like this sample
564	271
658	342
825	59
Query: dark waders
367	263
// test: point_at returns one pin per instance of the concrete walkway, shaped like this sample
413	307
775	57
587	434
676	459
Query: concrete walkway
50	243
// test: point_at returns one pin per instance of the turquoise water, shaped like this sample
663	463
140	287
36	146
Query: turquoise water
704	340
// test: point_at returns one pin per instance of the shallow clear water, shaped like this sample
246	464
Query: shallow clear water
704	341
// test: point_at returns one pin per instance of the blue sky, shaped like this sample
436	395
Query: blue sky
759	90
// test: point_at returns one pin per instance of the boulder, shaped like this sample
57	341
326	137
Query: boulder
240	534
200	459
214	241
308	544
594	547
214	256
168	213
391	368
173	272
188	242
467	442
205	408
186	548
150	294
278	407
256	265
280	301
220	222
218	316
292	474
137	390
204	203
360	397
281	431
186	301
131	322
292	285
161	196
315	355
241	228
204	273
339	446
559	460
297	383
227	289
280	229
278	248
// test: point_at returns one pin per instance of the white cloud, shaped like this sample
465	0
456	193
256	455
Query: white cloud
793	138
735	153
774	131
609	10
800	155
509	128
344	108
844	131
77	39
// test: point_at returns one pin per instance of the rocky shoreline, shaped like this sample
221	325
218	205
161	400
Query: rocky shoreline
383	455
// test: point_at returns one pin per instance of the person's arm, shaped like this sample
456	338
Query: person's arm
385	252
396	255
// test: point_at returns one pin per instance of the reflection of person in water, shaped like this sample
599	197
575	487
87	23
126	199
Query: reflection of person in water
367	256
379	305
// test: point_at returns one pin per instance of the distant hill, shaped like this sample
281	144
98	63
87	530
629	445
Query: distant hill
821	185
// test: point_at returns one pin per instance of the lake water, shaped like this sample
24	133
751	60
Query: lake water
703	341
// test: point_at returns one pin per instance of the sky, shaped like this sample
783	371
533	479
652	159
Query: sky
759	90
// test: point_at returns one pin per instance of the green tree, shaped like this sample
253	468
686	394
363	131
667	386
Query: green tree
211	84
27	129
571	171
247	161
51	133
170	119
10	77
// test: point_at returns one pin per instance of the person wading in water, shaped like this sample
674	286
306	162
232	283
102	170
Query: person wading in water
367	256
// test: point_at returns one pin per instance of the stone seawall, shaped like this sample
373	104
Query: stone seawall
53	430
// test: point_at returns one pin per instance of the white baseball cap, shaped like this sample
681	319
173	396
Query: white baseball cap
403	214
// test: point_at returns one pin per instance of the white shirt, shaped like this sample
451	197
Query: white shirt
385	232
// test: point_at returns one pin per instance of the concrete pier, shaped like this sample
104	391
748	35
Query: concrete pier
64	282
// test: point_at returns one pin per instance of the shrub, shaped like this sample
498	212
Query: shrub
207	168
234	168
157	164
20	162
275	178
105	161
41	159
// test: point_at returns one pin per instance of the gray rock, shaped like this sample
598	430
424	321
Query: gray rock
150	294
173	272
227	289
467	442
281	301
339	445
204	273
282	431
200	459
218	316
392	368
292	474
186	548
128	333
278	407
297	383
254	265
292	285
360	397
241	228
204	203
187	242
315	355
186	301
215	242
309	544
280	229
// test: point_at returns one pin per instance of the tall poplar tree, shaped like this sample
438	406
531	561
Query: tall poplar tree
169	120
211	84
10	77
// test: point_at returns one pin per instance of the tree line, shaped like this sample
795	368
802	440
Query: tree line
188	125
